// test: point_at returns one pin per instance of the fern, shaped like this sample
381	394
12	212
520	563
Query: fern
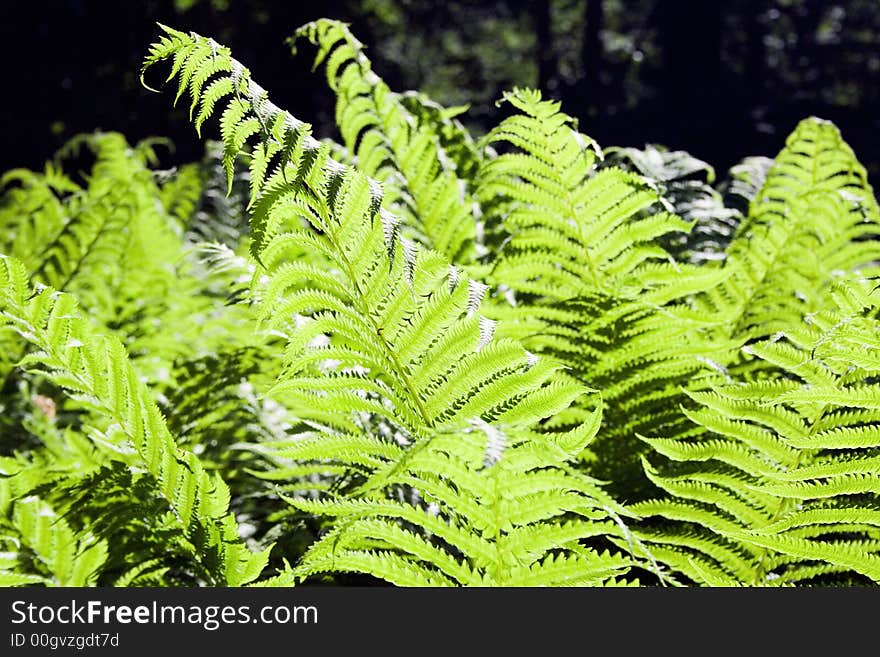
389	363
411	355
777	482
95	368
560	209
503	503
108	242
48	550
814	216
392	146
587	281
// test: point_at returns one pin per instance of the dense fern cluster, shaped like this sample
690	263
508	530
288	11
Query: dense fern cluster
429	359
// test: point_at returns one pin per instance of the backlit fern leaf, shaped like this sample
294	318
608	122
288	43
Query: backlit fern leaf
46	550
108	241
570	227
515	517
286	154
32	210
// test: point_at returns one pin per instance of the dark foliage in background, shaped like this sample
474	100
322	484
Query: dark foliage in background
721	80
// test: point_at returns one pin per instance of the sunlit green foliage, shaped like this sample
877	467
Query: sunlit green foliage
433	359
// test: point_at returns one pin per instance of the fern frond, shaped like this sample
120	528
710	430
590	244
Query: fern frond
96	369
586	282
797	499
815	215
583	222
48	551
422	186
472	523
387	343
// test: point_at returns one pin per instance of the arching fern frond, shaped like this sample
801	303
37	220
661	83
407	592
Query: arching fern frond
392	146
387	304
286	152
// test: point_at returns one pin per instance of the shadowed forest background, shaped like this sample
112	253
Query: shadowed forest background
722	80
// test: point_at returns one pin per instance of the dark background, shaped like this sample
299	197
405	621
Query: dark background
721	79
